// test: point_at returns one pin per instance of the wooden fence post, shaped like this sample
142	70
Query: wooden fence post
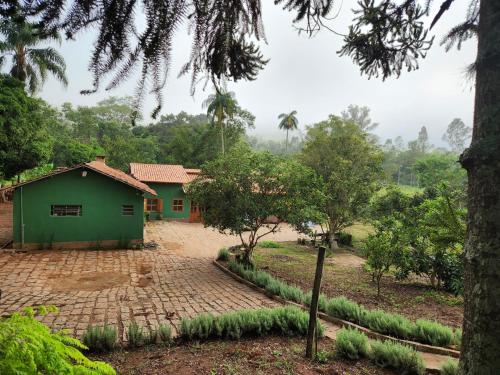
313	311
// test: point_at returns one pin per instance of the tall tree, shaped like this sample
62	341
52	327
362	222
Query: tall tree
457	134
423	140
288	122
30	63
242	189
23	143
349	164
220	106
360	115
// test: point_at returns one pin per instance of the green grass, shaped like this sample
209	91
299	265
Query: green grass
223	254
269	244
450	367
359	232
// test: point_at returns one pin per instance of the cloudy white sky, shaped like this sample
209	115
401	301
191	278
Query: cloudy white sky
307	75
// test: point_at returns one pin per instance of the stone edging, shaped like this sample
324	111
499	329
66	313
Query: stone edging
343	323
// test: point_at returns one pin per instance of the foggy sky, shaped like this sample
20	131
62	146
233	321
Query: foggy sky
307	75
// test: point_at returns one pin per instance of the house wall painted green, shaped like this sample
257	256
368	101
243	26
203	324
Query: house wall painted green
101	222
169	192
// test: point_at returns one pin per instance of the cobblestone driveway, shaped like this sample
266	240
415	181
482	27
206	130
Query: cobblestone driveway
150	287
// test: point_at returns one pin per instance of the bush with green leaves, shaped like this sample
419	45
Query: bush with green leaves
351	344
223	254
457	338
322	301
269	244
288	321
343	308
344	238
29	347
269	283
389	324
135	335
100	339
165	334
450	367
395	356
433	333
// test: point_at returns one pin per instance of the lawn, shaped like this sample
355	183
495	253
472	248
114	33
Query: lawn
344	274
264	355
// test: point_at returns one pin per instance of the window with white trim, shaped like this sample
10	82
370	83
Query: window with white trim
178	205
66	210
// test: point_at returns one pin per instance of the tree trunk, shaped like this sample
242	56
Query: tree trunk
286	142
333	242
481	327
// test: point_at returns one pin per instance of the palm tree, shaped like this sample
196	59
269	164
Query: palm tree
30	64
288	122
220	106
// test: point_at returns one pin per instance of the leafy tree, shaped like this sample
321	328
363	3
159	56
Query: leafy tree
68	152
457	134
423	140
379	249
288	122
242	189
437	168
30	63
360	115
349	165
29	347
23	144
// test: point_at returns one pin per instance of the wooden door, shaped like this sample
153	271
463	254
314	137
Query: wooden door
194	213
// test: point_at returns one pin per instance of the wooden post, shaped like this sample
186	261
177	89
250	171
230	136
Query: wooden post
313	311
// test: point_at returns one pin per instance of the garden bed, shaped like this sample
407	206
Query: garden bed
294	296
264	355
342	276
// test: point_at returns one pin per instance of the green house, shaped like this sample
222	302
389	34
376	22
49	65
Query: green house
86	206
169	182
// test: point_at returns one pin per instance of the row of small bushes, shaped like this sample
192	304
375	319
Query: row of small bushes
104	339
424	331
353	344
288	320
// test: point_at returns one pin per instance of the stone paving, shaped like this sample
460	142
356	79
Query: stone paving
150	287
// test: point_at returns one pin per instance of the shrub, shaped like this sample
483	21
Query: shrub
165	334
269	283
450	367
389	324
396	356
457	338
29	347
344	238
286	320
322	356
135	335
432	333
100	339
343	308
223	254
351	344
322	301
269	244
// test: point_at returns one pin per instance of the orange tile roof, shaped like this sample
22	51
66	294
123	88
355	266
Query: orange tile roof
101	167
192	173
162	173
